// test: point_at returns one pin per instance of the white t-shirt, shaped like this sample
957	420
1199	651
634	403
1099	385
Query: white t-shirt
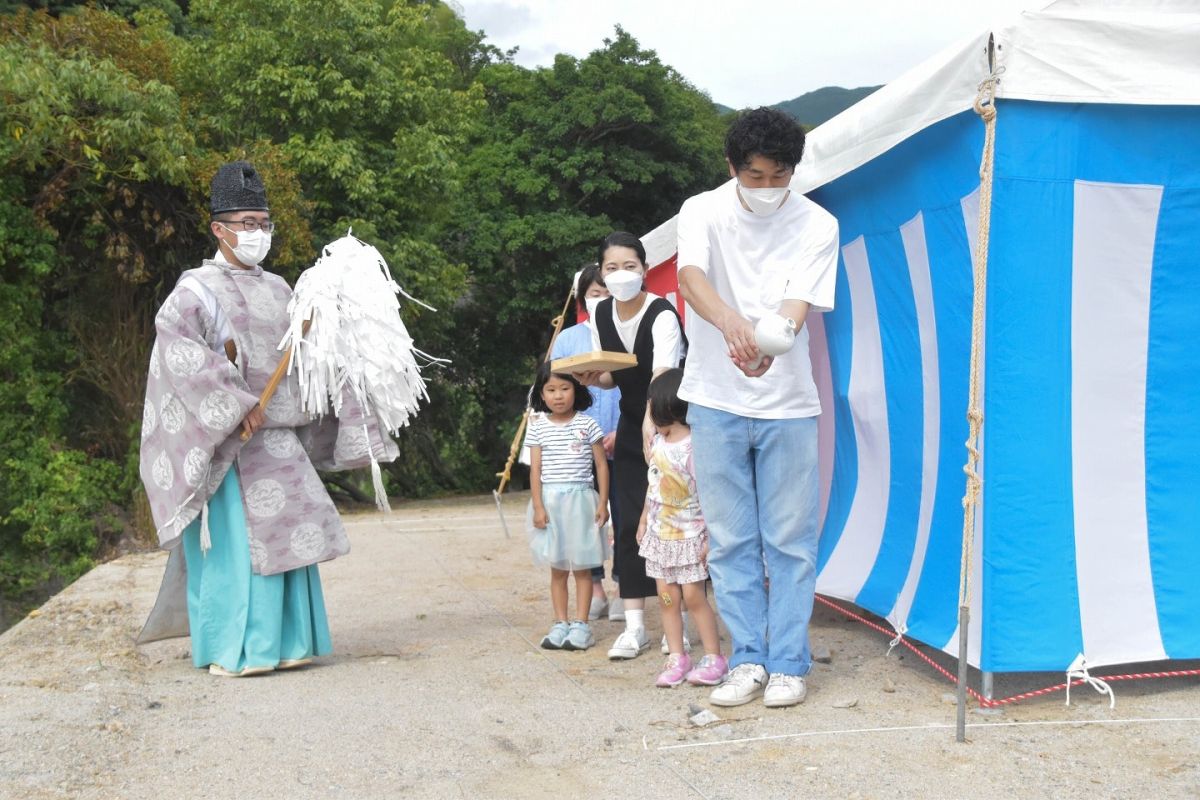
664	333
755	263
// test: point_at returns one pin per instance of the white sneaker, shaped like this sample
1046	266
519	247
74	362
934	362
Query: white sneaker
666	648
743	683
616	609
630	644
598	608
784	690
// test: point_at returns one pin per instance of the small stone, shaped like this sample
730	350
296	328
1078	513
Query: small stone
153	704
821	654
694	709
705	717
91	687
889	686
849	702
950	698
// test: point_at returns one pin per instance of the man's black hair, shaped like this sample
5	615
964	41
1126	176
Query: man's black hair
766	132
583	398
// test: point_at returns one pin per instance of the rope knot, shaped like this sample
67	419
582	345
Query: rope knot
985	99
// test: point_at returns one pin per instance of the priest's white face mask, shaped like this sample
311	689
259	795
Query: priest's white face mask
252	245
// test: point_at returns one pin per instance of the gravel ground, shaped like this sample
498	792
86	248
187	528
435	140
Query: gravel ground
437	689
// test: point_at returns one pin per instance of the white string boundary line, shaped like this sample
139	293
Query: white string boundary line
933	726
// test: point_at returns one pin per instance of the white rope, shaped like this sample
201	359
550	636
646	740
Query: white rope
903	629
1079	671
205	533
932	726
985	106
381	498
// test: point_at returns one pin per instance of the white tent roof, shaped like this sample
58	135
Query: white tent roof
1144	52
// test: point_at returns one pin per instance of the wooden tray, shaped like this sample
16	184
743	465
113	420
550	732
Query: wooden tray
602	360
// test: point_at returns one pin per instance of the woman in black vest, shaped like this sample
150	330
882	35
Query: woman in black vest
632	321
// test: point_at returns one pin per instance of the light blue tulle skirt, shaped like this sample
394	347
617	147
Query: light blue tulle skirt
572	540
239	619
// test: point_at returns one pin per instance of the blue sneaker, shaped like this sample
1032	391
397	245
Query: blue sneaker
579	637
556	637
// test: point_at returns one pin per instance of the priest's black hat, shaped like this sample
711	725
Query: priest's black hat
237	187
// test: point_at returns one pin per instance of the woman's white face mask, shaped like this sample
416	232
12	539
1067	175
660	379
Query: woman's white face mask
252	246
590	304
624	284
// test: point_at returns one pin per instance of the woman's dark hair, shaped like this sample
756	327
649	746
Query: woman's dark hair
663	396
766	132
588	274
583	398
623	239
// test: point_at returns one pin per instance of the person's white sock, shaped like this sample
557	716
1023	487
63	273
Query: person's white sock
635	618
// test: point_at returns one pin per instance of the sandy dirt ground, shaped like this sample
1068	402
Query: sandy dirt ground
437	689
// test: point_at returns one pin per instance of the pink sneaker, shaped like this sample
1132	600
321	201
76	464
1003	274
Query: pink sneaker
675	670
709	672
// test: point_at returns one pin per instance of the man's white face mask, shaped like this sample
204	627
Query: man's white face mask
252	246
763	202
624	284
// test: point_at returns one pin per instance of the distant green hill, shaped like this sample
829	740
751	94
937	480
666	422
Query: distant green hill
819	105
825	103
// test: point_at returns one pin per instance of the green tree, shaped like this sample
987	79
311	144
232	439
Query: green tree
370	101
565	154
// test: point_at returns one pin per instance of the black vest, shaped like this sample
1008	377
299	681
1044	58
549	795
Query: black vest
634	382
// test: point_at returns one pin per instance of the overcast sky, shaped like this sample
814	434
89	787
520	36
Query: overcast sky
772	51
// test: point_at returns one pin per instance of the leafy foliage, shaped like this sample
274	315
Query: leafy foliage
565	155
483	184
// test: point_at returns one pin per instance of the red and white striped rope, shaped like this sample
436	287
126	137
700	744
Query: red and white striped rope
994	703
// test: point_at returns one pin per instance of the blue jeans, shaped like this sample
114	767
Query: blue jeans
758	486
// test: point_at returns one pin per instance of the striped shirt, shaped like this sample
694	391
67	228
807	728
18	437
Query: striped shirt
566	448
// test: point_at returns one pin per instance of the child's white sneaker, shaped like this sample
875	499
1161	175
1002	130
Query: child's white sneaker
630	644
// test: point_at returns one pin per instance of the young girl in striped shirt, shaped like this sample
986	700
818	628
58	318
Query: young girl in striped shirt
565	514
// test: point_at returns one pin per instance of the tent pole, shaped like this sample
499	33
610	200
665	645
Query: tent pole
960	727
988	686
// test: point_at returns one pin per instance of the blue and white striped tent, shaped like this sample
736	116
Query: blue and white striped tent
1088	540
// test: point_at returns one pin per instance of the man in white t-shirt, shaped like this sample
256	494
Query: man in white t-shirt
749	249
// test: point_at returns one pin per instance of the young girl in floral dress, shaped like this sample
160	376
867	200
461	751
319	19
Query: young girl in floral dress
674	538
